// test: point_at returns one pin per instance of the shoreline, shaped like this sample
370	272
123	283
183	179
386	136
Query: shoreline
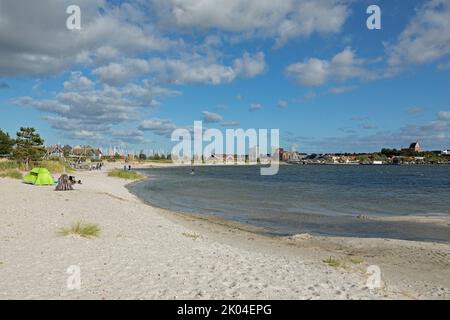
422	228
145	252
417	220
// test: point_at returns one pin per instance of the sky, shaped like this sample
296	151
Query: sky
137	70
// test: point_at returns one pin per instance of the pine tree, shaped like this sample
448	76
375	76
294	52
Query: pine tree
29	146
6	143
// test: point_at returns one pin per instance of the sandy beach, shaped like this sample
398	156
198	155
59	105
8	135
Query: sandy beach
145	252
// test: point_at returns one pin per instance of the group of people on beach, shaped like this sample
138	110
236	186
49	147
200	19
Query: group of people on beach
98	166
73	180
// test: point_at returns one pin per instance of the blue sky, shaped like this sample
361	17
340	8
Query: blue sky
138	70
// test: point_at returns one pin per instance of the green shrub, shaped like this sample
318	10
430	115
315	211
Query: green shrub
54	166
125	174
11	173
8	164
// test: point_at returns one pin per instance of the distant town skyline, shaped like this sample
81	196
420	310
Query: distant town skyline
137	70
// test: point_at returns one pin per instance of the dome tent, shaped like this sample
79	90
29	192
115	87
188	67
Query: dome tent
39	177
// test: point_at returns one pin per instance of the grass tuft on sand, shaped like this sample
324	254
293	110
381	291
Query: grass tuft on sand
82	230
333	262
343	263
193	236
11	173
125	174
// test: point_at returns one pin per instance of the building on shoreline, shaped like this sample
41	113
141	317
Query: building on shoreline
413	148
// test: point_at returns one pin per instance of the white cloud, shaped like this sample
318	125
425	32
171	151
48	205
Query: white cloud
81	109
283	104
282	20
34	39
230	123
78	82
162	127
444	66
425	39
128	136
120	73
341	90
189	69
444	115
255	107
343	66
211	117
250	66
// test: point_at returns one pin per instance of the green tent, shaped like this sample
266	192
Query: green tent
39	177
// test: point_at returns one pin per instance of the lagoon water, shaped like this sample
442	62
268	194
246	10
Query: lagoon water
323	200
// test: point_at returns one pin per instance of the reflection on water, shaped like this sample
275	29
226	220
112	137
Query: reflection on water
316	199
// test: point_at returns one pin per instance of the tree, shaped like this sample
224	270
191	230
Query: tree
6	143
67	150
142	156
390	152
29	146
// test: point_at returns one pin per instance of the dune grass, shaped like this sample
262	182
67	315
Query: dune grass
11	173
8	165
343	263
333	262
193	236
81	229
125	174
55	166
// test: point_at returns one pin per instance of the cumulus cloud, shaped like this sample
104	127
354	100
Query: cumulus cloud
341	90
283	104
128	136
35	41
444	66
250	66
255	107
431	135
161	127
343	66
425	39
283	20
444	115
211	117
230	123
81	108
189	69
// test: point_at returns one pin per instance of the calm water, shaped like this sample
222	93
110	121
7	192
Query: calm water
316	199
